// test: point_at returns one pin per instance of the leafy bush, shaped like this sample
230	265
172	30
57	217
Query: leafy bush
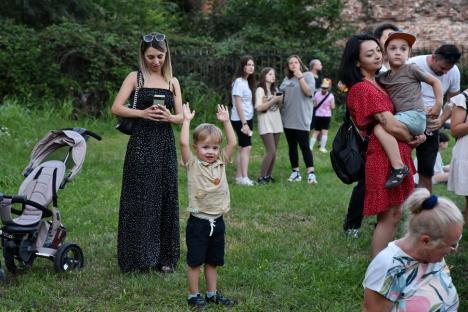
202	98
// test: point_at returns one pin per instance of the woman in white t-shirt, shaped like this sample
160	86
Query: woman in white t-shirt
458	177
242	114
411	273
270	126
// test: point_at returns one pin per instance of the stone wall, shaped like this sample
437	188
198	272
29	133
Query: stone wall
433	22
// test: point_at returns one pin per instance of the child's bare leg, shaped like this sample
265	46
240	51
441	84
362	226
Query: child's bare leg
390	146
193	275
211	277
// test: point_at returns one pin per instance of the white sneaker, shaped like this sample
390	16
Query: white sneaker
295	176
248	182
311	178
244	181
323	150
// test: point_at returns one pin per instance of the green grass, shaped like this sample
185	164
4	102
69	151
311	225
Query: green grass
285	246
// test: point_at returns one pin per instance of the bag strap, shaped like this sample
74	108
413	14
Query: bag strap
139	85
369	128
321	102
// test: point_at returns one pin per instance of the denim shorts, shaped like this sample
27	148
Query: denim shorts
414	120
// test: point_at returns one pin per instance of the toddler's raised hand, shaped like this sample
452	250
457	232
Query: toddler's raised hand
223	113
186	110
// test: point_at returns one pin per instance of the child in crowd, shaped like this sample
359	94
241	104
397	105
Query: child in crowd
403	83
441	172
208	201
324	103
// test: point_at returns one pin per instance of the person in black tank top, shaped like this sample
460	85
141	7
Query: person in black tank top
148	231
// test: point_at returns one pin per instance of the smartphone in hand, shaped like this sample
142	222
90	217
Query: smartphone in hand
159	100
279	93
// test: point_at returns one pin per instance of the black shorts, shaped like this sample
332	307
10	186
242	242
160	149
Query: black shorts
244	139
426	153
322	123
201	247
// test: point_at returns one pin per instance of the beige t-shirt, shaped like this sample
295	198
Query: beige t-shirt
208	190
404	87
270	120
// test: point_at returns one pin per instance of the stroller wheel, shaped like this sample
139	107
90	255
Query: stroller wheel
13	262
68	257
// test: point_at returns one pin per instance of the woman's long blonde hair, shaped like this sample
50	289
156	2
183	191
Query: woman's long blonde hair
162	46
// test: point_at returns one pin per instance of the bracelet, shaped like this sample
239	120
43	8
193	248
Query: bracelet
300	78
244	123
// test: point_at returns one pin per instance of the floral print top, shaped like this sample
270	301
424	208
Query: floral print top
411	285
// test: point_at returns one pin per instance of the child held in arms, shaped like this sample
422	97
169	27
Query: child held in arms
208	201
403	83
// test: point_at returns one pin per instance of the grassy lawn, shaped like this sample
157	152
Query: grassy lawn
285	246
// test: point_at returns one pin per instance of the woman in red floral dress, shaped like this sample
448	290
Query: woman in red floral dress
369	104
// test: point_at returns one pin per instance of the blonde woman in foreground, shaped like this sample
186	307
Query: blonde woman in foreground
411	273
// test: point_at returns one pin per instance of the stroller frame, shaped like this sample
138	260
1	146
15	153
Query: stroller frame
31	235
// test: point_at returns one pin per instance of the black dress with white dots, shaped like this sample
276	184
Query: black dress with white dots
148	234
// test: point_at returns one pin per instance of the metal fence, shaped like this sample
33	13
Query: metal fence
217	72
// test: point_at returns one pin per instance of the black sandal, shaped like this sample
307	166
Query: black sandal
396	177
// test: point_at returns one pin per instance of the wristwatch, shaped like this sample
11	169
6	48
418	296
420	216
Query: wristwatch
244	123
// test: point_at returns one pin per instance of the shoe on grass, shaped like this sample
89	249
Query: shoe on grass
197	302
220	299
353	233
323	150
247	181
311	178
295	176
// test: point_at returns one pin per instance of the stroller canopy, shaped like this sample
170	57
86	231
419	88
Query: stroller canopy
54	140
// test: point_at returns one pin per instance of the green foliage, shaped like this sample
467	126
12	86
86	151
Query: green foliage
39	14
275	25
81	51
68	55
202	98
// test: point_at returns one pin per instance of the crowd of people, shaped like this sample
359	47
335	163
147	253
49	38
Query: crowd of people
399	98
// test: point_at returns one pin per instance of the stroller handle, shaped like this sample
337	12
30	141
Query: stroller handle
85	133
22	200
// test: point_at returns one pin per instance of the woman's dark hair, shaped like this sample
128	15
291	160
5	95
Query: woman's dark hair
378	31
240	74
349	73
262	83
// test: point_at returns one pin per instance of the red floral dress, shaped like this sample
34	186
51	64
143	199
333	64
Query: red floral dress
364	100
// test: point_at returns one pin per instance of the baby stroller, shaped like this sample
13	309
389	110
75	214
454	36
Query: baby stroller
33	233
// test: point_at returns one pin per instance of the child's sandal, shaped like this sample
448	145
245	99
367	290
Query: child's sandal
396	177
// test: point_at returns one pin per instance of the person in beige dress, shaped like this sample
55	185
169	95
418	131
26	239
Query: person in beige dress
270	126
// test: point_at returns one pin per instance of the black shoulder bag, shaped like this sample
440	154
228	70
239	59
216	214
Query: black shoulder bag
348	153
125	124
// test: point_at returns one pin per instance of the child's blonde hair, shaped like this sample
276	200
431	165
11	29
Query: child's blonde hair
206	130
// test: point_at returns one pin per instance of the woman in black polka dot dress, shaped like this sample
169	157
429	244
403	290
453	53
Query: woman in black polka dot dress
148	235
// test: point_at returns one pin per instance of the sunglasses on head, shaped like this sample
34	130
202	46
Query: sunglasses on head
156	37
